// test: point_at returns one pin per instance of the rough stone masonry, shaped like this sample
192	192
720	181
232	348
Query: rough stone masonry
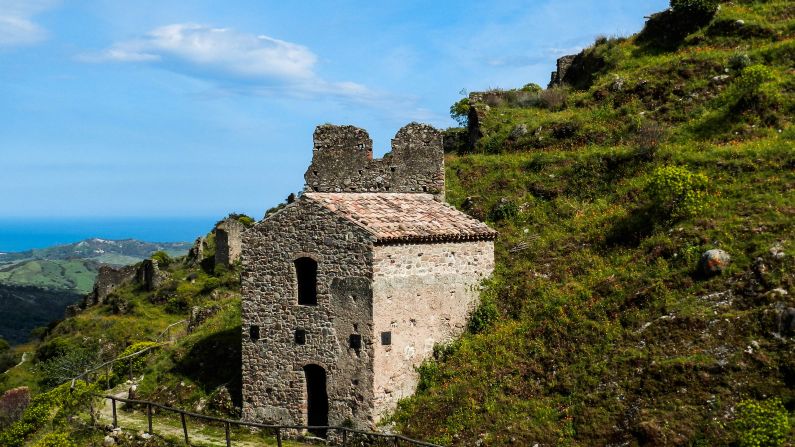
347	289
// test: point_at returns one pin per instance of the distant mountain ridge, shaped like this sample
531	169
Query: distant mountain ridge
103	251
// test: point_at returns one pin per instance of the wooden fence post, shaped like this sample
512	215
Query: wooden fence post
149	416
115	420
184	428
397	441
279	437
344	437
228	439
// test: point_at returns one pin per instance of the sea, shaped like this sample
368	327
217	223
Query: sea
20	234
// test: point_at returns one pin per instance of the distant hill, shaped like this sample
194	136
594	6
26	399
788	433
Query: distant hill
103	251
24	308
37	285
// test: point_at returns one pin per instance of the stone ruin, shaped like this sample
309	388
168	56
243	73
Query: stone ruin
228	241
342	161
346	290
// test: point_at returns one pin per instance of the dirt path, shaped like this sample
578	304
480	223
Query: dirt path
171	429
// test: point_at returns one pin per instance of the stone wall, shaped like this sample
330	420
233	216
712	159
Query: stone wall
149	275
343	161
274	388
108	279
422	295
228	241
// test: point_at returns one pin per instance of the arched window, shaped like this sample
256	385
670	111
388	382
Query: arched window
306	277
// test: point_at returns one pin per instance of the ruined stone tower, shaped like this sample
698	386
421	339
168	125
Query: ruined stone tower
347	289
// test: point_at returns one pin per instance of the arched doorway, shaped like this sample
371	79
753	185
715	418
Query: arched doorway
316	398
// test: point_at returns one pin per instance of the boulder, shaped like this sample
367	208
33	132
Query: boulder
714	261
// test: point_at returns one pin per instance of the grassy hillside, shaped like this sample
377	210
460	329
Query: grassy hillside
185	373
75	275
598	328
37	285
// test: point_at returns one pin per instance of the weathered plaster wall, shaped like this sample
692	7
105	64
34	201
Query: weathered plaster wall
423	294
273	378
343	161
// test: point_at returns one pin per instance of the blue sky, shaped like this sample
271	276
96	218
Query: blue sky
201	108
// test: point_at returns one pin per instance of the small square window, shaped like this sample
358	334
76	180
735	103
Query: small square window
355	341
253	333
300	336
386	338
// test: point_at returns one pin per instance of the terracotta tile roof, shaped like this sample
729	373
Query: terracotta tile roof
398	217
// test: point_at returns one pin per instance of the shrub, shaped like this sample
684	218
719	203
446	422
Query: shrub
56	440
754	90
12	404
532	88
739	61
700	8
677	193
502	210
762	423
137	363
553	98
162	258
649	137
484	316
69	364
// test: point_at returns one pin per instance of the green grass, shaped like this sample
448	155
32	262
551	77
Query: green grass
607	332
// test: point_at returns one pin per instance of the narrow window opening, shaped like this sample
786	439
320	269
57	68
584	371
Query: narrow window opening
355	342
300	336
306	277
386	338
253	333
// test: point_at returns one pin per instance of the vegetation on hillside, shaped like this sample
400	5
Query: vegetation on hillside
198	300
603	329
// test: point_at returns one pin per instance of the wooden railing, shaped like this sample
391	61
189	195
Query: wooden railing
345	433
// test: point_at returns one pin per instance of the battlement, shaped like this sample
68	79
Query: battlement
342	161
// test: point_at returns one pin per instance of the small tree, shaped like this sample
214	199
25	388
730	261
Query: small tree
460	112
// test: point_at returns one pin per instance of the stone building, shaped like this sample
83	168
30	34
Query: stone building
347	289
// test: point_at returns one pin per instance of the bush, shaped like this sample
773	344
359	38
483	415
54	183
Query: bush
64	367
700	8
739	61
762	423
754	89
162	258
484	316
502	210
137	363
677	193
553	98
55	440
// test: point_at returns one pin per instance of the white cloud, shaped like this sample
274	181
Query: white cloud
16	25
238	61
